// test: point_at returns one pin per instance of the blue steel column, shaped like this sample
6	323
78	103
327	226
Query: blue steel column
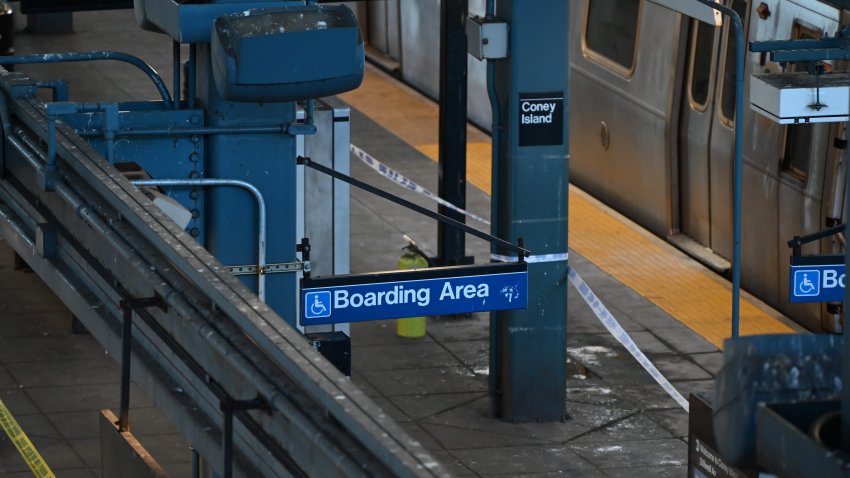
267	162
528	358
451	244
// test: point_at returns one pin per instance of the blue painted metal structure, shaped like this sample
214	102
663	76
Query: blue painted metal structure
209	349
249	114
248	392
528	357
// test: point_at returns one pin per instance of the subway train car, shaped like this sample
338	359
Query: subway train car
652	118
652	127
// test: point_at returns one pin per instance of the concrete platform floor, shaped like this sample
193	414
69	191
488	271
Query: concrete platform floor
621	423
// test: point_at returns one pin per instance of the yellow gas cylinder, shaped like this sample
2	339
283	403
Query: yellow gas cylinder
413	258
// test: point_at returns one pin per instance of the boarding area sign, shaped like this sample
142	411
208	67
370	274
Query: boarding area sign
817	279
422	292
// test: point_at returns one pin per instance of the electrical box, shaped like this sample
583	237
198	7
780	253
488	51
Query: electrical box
334	346
486	39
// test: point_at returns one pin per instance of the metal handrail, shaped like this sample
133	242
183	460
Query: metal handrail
261	208
68	57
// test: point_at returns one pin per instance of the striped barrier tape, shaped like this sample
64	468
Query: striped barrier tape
406	183
602	313
532	259
25	447
615	329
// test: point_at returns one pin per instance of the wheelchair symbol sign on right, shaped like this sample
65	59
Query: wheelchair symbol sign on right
817	283
807	282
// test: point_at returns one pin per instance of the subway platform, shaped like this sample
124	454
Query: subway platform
621	423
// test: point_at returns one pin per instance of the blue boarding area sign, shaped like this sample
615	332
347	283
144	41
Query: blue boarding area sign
421	292
817	279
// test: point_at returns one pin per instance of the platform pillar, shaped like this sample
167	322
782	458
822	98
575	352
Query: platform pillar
528	357
451	246
267	162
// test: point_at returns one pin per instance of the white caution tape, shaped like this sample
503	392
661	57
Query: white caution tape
406	183
531	259
602	313
623	337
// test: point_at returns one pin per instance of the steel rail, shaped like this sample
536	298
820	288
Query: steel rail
220	343
152	252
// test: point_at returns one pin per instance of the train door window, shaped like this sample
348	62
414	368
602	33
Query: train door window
611	32
727	97
798	138
702	59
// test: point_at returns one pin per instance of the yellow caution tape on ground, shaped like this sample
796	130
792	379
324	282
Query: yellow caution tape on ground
23	444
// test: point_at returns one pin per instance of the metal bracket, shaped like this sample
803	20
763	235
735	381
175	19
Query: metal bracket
270	268
796	244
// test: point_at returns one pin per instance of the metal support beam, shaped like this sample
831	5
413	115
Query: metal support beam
528	358
229	406
451	245
127	308
845	371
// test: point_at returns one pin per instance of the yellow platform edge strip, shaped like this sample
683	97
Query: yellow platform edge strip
678	285
22	442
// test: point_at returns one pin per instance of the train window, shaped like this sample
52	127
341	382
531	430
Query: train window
798	138
611	32
702	57
727	98
798	145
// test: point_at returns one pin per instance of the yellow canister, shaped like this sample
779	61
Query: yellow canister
411	327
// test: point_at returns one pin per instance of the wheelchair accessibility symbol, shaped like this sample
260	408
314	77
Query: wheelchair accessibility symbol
806	283
317	305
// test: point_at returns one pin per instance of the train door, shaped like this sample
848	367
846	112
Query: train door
706	143
384	27
695	132
721	139
783	170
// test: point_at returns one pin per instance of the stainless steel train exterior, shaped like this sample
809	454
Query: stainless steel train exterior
651	125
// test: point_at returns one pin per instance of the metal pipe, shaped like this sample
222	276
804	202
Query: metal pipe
51	142
192	74
18	143
126	348
59	87
228	443
845	369
495	139
110	126
94	56
175	66
196	464
737	170
311	107
261	206
190	131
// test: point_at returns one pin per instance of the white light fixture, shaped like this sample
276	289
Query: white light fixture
693	9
